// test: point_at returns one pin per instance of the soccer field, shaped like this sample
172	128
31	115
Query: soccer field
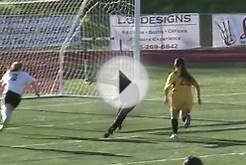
65	131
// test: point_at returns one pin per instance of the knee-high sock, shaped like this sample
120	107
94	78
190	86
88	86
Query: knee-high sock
184	115
175	125
184	118
6	113
3	113
121	117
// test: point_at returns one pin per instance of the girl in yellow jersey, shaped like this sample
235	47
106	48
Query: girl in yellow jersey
179	84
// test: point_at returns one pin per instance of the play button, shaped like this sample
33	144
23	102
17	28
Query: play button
122	82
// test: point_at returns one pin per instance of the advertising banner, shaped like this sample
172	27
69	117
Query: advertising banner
158	32
229	30
35	32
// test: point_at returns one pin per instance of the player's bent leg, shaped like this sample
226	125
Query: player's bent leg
4	117
6	112
174	123
9	102
109	132
186	117
121	115
114	125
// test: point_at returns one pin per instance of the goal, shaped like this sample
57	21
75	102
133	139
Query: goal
62	43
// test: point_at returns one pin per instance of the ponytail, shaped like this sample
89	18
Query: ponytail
179	62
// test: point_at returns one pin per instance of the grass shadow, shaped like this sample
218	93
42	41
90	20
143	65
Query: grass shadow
212	142
59	137
92	153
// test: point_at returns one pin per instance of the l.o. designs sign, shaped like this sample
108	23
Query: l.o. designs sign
157	32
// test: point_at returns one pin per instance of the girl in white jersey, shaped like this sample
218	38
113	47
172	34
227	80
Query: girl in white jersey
14	82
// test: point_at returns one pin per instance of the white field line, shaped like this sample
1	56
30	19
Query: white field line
210	95
41	125
176	159
148	99
26	2
69	142
45	144
58	104
226	94
13	161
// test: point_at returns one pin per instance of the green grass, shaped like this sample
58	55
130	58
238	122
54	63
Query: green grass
69	130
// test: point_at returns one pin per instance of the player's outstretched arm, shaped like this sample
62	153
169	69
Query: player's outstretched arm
196	85
166	91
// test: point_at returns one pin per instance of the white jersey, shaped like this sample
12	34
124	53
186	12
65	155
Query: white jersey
16	81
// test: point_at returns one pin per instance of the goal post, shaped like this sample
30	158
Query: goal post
63	43
136	42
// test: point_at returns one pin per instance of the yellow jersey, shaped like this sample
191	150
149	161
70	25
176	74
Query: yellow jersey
180	91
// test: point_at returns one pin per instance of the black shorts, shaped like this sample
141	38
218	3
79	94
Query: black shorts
12	98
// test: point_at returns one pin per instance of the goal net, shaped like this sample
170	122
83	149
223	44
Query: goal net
62	43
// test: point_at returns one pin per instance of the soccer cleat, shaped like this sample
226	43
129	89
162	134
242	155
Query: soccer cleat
173	136
109	132
106	135
187	121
